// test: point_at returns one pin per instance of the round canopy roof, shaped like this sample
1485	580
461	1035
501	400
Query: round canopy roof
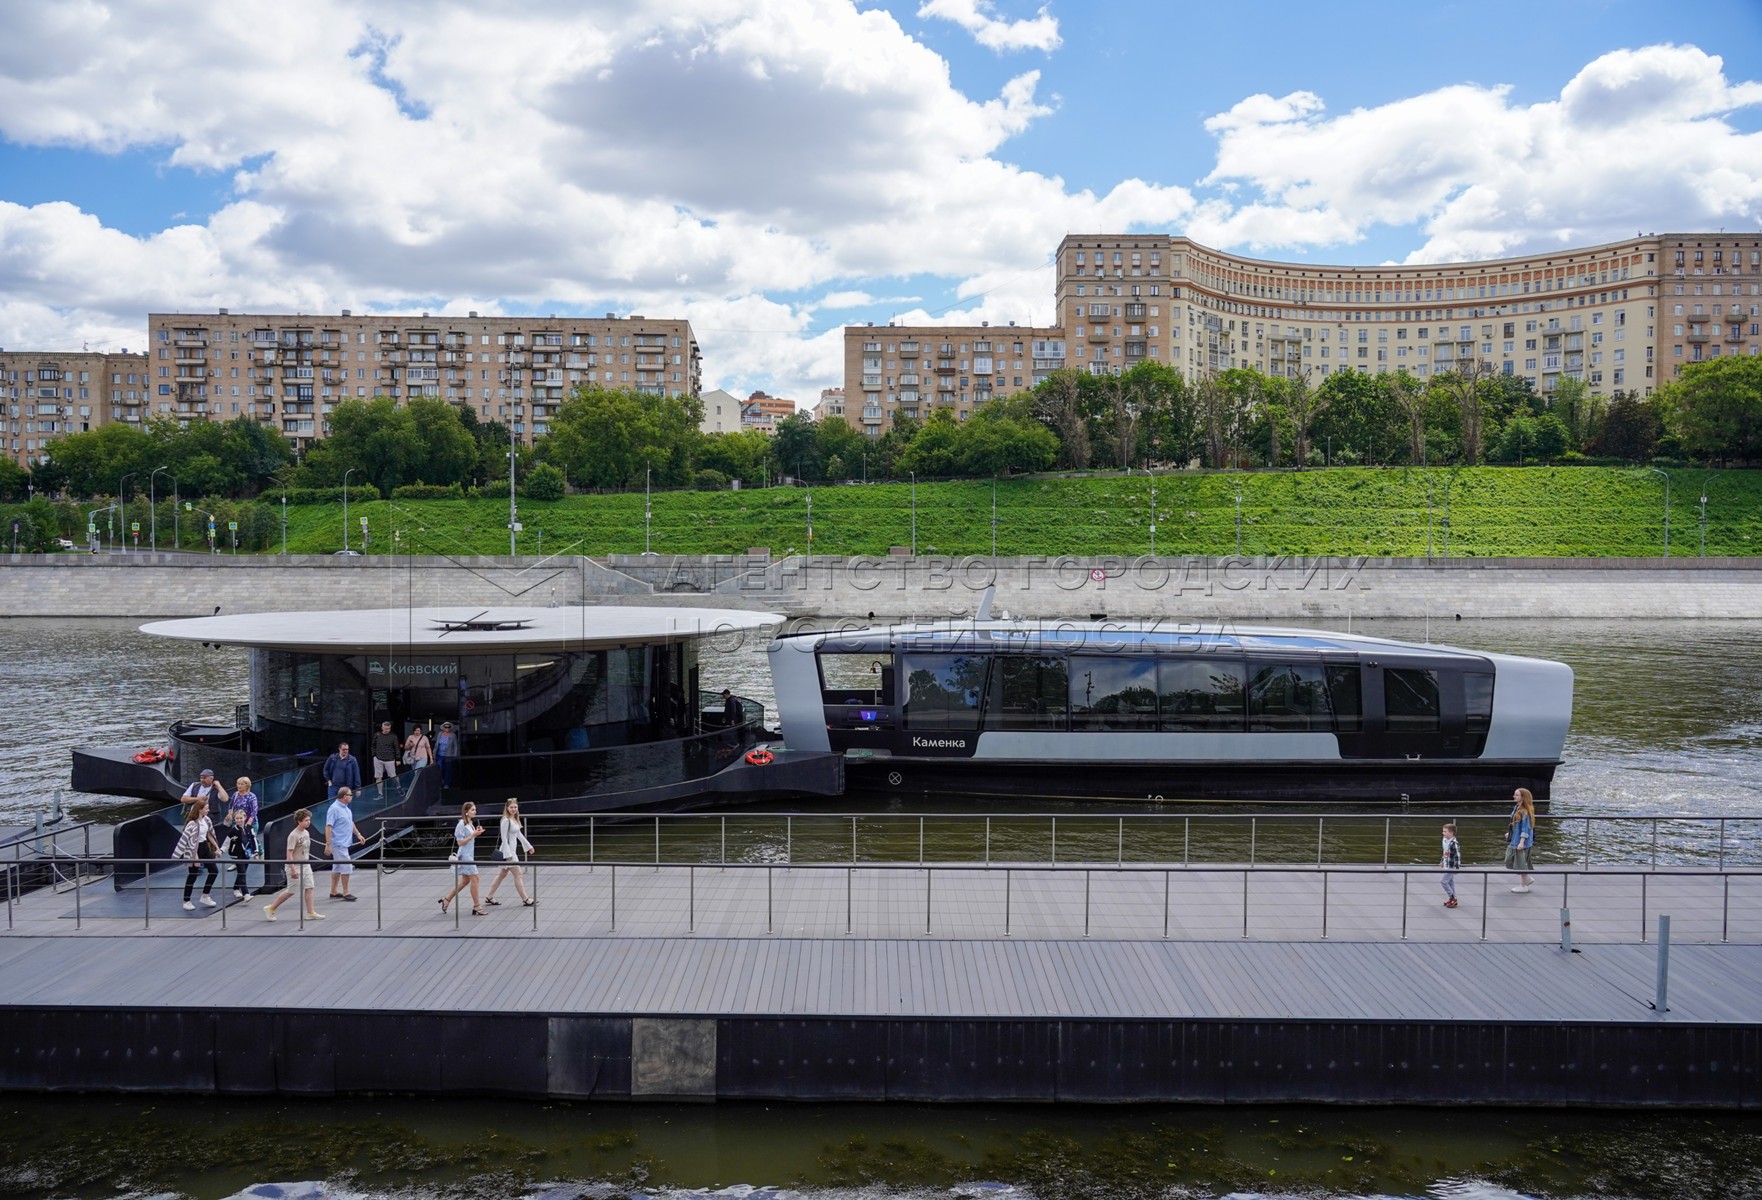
419	630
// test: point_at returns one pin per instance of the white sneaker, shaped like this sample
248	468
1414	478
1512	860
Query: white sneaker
269	911
1522	887
188	907
208	902
315	915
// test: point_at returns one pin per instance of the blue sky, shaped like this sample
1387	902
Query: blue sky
773	169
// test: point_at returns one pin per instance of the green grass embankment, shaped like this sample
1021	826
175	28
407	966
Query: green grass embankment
1482	512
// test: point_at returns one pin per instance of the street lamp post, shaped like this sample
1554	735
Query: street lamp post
122	520
1238	524
513	508
1153	516
914	514
153	502
92	527
212	549
284	524
647	508
994	518
346	475
1666	475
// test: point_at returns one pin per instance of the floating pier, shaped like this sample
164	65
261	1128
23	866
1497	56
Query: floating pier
996	982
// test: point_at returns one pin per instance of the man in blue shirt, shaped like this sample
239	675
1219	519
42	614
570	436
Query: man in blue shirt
341	770
340	836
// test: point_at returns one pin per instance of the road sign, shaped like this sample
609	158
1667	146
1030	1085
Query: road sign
233	525
134	527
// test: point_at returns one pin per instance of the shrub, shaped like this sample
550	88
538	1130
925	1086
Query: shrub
428	491
358	492
709	481
544	482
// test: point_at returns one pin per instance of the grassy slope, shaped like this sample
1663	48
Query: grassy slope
1576	511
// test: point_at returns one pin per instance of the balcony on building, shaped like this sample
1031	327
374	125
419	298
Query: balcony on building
1098	335
908	349
1135	312
190	337
1698	333
1735	334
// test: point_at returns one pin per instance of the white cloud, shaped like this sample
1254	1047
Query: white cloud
1637	139
1039	32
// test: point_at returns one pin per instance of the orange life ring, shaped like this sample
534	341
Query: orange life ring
151	755
760	757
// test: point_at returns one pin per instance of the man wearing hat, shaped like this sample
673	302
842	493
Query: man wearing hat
206	789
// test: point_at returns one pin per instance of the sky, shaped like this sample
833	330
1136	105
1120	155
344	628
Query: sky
773	170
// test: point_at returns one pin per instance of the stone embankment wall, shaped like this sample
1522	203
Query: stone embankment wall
1225	589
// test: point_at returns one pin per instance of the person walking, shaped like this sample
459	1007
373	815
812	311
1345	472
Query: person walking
341	770
299	854
341	835
244	800
513	838
465	835
196	846
1520	837
419	751
1451	862
240	842
385	753
446	748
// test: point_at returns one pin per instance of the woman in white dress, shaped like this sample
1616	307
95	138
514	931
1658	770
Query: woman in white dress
465	835
513	839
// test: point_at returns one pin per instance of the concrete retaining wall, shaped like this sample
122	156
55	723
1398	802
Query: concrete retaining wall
1226	589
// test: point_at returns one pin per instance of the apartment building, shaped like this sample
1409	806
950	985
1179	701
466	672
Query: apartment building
721	412
762	412
291	370
46	394
830	406
915	370
1625	315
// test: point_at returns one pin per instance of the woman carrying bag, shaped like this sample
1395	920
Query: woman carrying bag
419	751
1520	838
198	847
512	839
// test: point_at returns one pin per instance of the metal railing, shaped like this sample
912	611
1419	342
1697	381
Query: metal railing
1589	842
1235	902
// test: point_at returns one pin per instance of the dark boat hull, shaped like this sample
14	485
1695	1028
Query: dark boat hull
1347	782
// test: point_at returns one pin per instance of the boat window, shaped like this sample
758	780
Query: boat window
1410	699
1113	693
1347	696
943	690
1201	694
1477	687
856	678
1289	698
1028	693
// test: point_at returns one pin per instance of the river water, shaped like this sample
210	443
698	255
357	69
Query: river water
1667	720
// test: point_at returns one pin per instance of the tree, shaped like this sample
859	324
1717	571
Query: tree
1466	385
796	445
94	463
543	482
610	439
933	451
999	444
14	481
389	446
1358	419
1409	397
1716	408
742	455
1629	430
838	441
1168	428
1058	404
1306	406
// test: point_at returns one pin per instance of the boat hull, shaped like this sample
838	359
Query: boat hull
1345	782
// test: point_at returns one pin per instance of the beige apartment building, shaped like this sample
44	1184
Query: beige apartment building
830	406
47	394
1626	315
291	370
915	370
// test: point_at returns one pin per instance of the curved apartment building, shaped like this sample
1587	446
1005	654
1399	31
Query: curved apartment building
1623	316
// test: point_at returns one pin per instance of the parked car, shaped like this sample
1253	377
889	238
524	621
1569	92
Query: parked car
349	553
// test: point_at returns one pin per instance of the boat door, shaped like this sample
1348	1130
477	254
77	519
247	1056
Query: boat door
1412	709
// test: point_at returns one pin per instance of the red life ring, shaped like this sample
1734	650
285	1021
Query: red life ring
151	755
760	757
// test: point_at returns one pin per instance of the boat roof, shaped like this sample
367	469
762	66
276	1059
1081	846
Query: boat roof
428	630
1111	637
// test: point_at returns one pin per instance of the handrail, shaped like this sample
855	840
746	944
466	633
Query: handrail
1556	836
49	835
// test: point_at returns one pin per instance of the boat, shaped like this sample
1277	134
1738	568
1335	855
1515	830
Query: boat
1113	711
572	709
